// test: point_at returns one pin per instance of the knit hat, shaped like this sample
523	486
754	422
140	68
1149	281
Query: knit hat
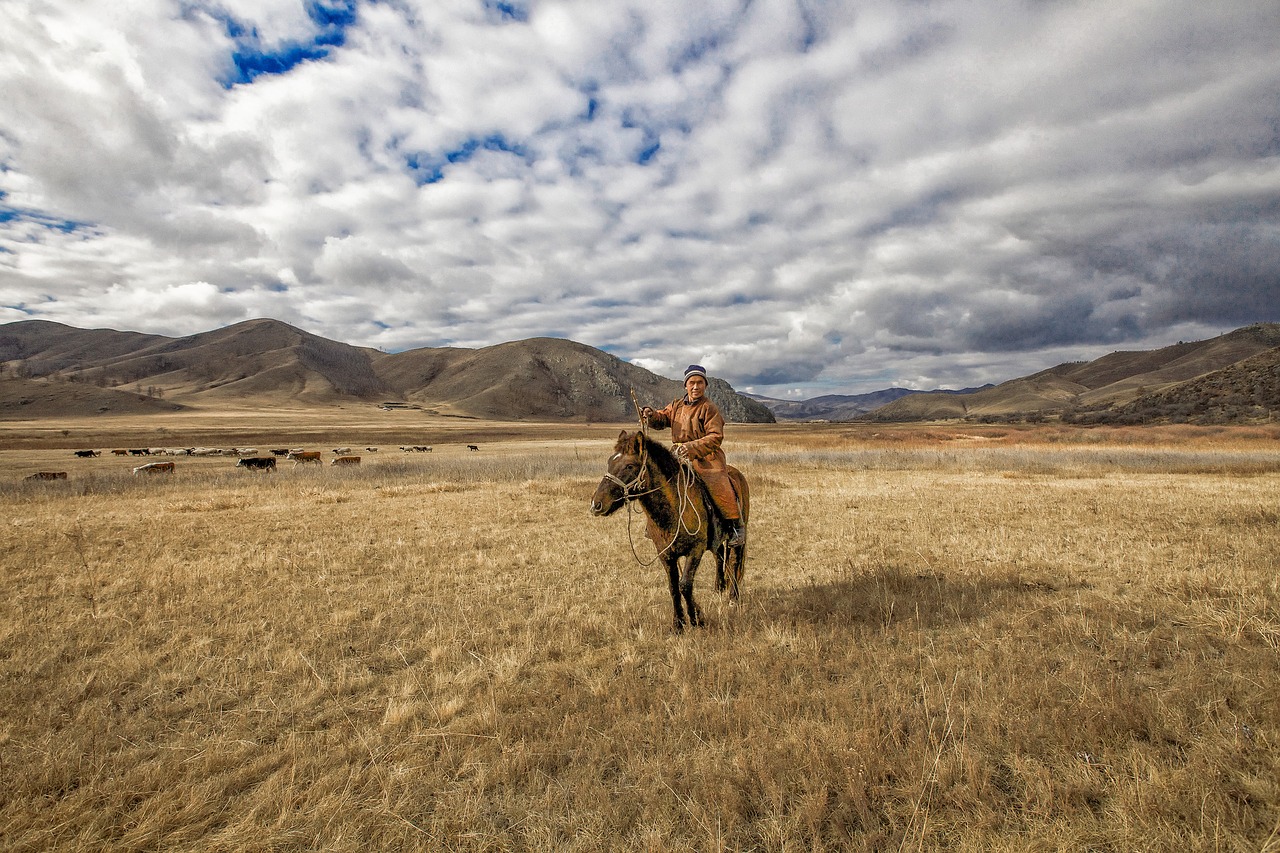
695	370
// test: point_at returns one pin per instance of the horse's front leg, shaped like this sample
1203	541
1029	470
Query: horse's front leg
686	587
673	579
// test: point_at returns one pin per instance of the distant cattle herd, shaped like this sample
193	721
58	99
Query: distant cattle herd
246	457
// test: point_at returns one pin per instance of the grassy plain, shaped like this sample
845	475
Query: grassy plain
949	639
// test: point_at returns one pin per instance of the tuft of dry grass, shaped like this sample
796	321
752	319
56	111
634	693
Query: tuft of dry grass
1001	644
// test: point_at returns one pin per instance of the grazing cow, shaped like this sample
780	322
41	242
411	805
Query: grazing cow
47	475
345	460
279	451
372	449
472	447
303	456
88	454
155	468
342	451
139	451
258	463
416	448
119	453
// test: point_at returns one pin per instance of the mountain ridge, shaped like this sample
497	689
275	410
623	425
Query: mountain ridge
266	362
262	361
1110	388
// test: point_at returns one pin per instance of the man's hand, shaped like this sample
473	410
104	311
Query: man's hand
682	453
646	412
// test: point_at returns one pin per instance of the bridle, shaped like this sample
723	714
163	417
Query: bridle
639	481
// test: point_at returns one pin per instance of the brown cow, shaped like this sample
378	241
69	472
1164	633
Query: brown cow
345	460
302	456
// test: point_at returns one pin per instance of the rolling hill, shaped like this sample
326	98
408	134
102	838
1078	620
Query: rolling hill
1245	391
31	398
266	362
1112	388
840	407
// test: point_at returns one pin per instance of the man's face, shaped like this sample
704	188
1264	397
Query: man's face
695	387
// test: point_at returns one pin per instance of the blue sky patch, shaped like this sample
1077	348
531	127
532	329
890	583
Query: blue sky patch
650	144
649	151
251	60
429	168
9	213
505	10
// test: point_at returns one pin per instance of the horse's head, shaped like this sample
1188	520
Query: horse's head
624	476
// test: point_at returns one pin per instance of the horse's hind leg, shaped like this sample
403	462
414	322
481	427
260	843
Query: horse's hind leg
732	566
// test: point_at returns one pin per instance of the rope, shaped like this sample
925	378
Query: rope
684	500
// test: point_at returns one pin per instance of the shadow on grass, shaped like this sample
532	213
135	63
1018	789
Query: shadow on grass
896	595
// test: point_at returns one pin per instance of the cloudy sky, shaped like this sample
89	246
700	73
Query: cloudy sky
807	196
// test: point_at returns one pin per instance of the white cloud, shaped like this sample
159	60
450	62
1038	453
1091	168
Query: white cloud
832	197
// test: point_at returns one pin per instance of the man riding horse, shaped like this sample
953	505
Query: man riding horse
697	429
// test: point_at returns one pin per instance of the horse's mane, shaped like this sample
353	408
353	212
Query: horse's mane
655	450
662	457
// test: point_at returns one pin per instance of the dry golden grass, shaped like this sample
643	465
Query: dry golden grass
948	639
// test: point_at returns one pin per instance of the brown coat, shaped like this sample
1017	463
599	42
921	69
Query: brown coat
700	428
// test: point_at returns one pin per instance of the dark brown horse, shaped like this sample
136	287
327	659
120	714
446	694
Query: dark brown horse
682	519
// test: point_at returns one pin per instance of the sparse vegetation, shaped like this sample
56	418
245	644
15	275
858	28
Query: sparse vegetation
950	639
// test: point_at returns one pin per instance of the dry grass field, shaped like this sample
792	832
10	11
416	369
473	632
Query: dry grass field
949	639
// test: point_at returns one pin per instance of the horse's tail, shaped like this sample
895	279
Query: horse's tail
744	493
739	562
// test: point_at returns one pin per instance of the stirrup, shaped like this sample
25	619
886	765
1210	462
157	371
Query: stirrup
737	534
